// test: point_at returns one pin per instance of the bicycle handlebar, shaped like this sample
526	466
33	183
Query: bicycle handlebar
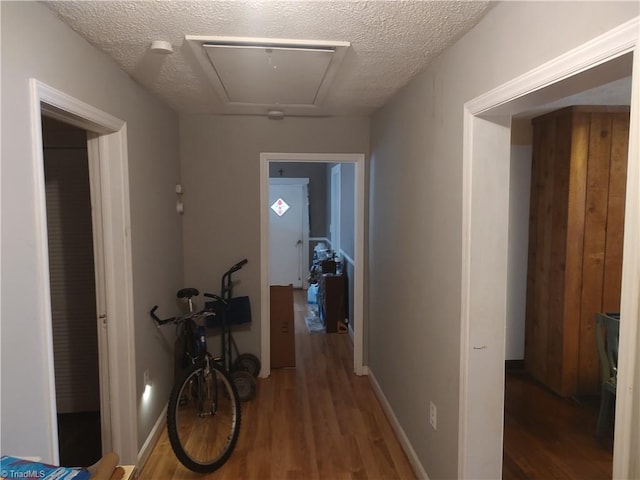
238	266
214	296
163	321
159	321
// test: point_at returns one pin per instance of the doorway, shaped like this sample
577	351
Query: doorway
358	258
107	144
76	291
485	201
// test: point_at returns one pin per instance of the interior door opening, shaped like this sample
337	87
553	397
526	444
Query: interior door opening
579	149
75	295
328	294
108	171
488	120
278	167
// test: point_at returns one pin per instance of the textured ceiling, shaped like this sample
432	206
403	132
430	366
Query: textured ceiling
391	41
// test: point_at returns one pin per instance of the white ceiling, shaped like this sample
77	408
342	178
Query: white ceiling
391	41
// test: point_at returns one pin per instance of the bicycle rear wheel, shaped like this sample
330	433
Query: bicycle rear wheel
203	417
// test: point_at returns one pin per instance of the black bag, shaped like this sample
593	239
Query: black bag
238	312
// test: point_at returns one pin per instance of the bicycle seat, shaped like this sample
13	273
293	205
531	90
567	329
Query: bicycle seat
187	293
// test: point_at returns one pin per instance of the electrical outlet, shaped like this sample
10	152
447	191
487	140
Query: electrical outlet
433	415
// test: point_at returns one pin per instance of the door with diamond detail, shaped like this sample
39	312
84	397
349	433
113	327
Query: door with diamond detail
286	229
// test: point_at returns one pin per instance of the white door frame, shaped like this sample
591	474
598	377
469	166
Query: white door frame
304	183
110	145
358	280
486	155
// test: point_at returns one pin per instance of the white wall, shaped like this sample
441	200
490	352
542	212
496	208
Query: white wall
221	176
416	209
35	44
519	192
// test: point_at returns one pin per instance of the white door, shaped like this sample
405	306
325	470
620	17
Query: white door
287	206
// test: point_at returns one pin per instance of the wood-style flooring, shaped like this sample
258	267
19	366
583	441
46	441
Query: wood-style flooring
320	421
548	437
315	421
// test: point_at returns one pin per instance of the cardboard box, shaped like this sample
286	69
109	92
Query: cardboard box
283	337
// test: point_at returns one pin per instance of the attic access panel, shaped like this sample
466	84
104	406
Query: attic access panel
253	73
270	75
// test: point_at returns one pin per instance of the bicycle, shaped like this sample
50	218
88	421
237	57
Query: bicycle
204	413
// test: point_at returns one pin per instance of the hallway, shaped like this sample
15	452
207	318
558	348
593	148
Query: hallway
317	420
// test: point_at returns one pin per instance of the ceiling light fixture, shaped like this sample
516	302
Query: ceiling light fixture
161	46
275	114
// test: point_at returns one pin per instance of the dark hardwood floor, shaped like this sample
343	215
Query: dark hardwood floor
548	437
79	438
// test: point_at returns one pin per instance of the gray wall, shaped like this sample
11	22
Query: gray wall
414	220
416	209
220	158
519	192
347	208
36	44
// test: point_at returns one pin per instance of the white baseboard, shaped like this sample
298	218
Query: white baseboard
150	442
395	424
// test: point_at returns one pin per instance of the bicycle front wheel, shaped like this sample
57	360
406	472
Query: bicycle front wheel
203	417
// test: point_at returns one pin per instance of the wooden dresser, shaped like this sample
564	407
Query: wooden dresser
331	302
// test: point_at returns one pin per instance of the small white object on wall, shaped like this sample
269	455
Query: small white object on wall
179	202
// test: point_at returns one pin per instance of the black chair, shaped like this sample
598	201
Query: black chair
607	339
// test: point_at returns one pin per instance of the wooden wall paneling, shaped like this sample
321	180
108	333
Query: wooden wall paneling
546	217
594	247
576	227
578	158
558	371
537	327
615	213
